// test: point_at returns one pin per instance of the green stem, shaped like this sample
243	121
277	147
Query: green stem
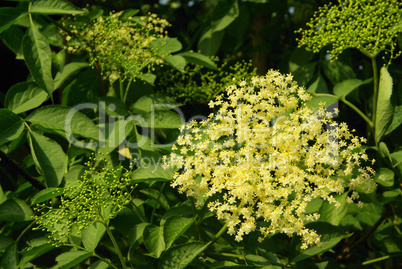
24	231
121	89
358	111
127	89
105	261
157	202
197	223
370	232
376	260
116	247
375	95
93	253
139	214
219	234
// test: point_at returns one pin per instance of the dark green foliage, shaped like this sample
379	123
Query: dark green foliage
78	85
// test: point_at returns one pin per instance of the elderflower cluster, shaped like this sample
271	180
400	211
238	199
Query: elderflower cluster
265	154
120	47
370	26
199	84
96	196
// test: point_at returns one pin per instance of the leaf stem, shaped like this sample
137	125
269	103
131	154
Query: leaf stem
116	247
127	89
157	202
24	231
219	234
358	111
370	232
375	95
137	212
121	89
377	260
93	253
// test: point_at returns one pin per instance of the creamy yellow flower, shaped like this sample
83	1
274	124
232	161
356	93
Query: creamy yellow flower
265	154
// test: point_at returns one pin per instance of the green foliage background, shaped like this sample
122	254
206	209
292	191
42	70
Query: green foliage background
159	227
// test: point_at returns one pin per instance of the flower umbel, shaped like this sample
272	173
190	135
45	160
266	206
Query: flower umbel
96	196
120	46
265	155
199	84
370	26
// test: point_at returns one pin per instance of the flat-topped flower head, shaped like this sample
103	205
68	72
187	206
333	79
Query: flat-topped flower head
266	154
120	46
200	84
97	196
371	26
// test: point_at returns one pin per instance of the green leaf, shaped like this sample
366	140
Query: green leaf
165	45
179	257
12	38
174	227
38	58
68	70
84	88
9	16
299	57
384	151
385	109
24	96
151	173
385	177
305	73
153	239
99	265
39	246
64	120
330	237
127	13
177	211
15	210
49	158
11	126
342	89
338	71
224	13
328	99
210	42
157	196
10	259
114	135
160	119
153	102
318	86
46	195
396	120
69	259
149	78
92	235
54	7
113	106
136	233
396	158
5	242
198	58
329	213
313	206
176	61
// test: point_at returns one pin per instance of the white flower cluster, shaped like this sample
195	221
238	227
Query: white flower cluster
265	155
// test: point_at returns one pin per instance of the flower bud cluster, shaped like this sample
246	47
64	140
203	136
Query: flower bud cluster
265	155
120	47
370	26
96	196
199	84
